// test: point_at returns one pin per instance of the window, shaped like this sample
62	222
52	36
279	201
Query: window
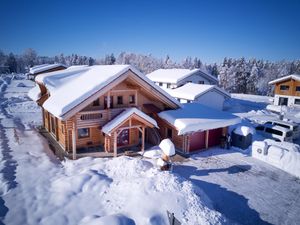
298	88
259	128
62	129
297	101
284	87
83	132
272	131
282	125
168	85
169	133
160	84
131	99
200	82
120	100
96	102
188	101
92	116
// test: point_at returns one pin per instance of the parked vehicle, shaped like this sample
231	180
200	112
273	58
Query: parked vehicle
289	125
275	132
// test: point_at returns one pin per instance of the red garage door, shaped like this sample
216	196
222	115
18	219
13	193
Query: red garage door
214	137
197	141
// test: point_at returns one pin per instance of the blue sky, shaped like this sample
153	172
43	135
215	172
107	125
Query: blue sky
209	29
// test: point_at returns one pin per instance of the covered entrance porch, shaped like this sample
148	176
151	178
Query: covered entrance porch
126	131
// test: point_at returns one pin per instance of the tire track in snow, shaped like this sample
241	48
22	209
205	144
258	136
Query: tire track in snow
8	172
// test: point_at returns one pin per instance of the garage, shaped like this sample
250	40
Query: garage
214	137
197	141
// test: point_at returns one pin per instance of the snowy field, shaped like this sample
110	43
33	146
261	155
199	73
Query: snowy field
213	187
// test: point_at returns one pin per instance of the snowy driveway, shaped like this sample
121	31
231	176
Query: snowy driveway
244	189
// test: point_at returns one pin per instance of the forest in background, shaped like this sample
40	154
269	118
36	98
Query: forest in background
248	76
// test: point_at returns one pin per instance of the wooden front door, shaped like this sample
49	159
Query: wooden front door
197	141
123	138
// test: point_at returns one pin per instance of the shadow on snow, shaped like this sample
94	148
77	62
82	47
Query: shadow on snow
232	205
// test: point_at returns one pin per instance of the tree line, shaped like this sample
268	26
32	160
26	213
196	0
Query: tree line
250	76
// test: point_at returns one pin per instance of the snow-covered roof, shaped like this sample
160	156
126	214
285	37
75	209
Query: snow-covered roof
292	76
54	80
44	67
34	93
175	75
191	91
107	128
85	82
197	117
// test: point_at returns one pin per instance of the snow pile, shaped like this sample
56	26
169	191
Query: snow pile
244	130
97	191
117	219
167	147
286	158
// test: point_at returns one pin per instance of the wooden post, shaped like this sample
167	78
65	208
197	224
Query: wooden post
115	144
74	142
108	100
136	96
206	139
143	139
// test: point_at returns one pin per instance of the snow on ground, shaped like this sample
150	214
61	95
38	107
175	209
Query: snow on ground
243	188
36	188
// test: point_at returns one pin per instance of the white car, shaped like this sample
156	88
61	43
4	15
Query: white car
289	125
275	132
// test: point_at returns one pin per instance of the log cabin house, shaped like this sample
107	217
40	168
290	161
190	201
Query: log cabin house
109	107
287	90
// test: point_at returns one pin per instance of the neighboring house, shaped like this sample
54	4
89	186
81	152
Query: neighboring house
110	107
44	68
173	78
287	90
208	95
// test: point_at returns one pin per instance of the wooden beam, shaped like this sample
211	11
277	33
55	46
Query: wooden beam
143	139
74	141
206	139
136	98
115	144
108	99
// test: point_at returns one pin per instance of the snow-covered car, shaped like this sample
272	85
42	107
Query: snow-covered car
275	132
289	125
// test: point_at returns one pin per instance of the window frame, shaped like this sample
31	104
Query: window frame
131	99
120	100
85	136
284	87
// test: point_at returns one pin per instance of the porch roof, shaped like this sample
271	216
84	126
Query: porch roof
118	120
